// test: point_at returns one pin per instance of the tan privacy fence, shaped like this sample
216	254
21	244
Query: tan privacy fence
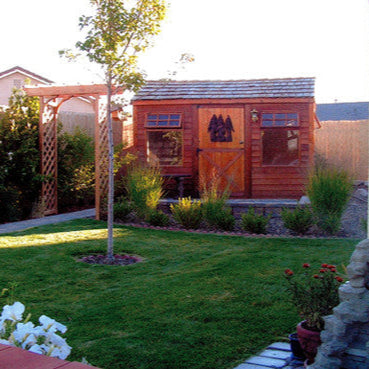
86	122
345	144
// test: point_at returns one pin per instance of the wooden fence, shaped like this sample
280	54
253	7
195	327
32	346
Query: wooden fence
345	144
86	121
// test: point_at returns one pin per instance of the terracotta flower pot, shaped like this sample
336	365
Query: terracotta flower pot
309	341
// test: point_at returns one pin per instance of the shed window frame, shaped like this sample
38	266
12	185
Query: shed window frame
164	128
280	119
163	120
276	118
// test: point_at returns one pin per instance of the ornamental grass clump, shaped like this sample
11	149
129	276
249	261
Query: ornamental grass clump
329	190
187	212
144	187
315	294
215	210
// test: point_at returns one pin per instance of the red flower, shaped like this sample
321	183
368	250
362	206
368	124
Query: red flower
331	267
322	270
339	279
316	276
288	272
324	265
333	270
306	265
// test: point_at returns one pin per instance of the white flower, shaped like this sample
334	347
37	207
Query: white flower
36	349
51	325
24	334
13	312
61	352
41	339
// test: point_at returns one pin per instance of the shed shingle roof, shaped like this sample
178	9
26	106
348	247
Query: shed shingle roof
241	89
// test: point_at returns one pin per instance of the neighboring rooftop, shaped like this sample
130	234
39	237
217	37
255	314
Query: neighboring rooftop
26	72
241	89
343	111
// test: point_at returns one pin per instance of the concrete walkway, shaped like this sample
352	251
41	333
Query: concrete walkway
51	219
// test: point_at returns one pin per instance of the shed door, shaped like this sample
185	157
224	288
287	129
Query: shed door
222	148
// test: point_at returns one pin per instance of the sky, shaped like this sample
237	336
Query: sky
229	39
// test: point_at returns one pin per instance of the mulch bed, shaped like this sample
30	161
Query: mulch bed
118	259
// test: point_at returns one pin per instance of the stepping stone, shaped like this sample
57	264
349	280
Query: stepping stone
266	361
276	354
284	346
251	366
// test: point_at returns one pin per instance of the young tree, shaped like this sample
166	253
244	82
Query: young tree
117	32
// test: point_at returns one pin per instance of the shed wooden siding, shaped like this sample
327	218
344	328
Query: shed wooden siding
195	99
261	181
282	181
188	128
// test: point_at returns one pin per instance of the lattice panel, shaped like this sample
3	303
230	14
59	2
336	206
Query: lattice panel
48	134
101	152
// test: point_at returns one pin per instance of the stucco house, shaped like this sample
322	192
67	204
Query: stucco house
17	77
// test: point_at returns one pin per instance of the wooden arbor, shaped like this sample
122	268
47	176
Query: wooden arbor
51	98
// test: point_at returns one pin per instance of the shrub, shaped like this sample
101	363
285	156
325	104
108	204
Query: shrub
144	188
76	173
254	223
298	220
157	218
187	212
214	206
329	190
20	181
122	208
223	220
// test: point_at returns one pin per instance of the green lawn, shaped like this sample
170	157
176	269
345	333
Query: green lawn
197	301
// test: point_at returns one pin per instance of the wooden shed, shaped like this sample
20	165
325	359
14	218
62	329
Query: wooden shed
255	136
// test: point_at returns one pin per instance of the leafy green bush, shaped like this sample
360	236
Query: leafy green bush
254	223
122	208
223	220
20	181
329	190
298	220
157	218
214	207
144	188
75	169
187	212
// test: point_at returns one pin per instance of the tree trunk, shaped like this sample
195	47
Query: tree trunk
110	250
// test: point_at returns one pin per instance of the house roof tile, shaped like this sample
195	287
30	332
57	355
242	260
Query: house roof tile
25	72
237	89
343	111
